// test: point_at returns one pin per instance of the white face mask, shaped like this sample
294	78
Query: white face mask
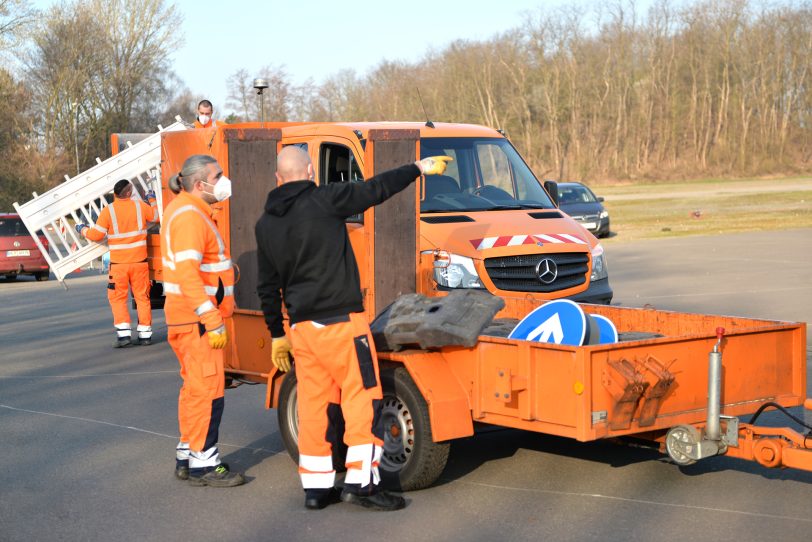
222	190
203	119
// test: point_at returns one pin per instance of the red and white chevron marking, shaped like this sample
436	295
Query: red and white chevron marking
533	239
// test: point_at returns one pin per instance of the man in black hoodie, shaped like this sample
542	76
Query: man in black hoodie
305	256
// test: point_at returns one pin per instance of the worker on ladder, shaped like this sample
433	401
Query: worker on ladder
124	223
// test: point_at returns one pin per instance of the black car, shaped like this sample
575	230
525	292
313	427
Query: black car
585	207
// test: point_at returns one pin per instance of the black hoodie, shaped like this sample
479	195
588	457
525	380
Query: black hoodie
303	249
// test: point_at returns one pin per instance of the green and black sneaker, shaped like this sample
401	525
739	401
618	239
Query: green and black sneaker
218	476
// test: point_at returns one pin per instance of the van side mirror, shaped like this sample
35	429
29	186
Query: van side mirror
552	189
600	199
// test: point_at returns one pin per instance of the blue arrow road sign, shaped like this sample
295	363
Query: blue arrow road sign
559	322
607	328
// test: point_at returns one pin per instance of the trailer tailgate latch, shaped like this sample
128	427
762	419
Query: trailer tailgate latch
507	383
661	381
626	385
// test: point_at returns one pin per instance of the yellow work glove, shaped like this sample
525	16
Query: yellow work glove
218	338
280	353
434	165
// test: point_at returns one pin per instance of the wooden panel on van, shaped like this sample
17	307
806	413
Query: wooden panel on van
251	167
395	261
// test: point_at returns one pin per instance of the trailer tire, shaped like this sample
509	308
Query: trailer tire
288	418
411	459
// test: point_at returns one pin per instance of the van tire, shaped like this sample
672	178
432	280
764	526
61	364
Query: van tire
407	463
288	420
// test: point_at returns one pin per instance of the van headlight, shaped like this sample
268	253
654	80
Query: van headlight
604	214
599	269
453	271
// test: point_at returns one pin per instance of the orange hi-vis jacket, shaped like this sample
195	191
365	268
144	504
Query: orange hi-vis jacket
211	124
124	222
197	269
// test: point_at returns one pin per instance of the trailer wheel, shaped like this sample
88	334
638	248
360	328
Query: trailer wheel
678	440
288	417
411	459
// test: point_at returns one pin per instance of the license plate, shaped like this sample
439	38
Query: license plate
590	225
12	253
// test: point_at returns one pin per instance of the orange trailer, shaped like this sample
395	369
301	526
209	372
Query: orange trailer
683	388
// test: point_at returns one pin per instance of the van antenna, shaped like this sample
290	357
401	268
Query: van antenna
428	122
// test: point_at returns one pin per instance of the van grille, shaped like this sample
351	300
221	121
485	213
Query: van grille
518	273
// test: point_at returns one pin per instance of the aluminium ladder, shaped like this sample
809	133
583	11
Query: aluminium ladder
81	198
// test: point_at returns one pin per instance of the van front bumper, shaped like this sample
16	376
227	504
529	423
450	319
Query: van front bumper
599	293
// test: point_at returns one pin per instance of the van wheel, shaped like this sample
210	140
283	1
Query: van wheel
288	418
411	459
43	276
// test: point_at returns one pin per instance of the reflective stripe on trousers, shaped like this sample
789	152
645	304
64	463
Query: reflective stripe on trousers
337	362
201	401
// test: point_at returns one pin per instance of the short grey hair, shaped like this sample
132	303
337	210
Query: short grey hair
190	173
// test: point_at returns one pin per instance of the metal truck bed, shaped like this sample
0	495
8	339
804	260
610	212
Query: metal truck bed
594	392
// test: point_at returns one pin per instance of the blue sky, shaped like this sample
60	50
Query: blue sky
317	38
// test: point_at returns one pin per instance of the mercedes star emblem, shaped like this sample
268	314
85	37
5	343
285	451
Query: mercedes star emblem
546	271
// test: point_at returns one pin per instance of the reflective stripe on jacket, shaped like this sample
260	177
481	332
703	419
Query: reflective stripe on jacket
124	223
197	269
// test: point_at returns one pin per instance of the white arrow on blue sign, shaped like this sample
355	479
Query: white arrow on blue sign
558	322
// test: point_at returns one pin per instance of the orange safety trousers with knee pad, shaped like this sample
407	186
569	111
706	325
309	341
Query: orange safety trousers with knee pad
336	362
201	398
125	276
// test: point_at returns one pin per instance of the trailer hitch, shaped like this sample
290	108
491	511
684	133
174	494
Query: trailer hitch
686	444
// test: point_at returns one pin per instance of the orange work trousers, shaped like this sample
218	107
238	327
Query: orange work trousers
337	362
122	277
201	398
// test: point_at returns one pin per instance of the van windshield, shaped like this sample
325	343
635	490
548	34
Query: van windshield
487	174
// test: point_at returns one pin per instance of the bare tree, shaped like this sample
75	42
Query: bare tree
98	67
15	18
244	101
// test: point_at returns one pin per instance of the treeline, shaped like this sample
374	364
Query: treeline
72	75
706	88
608	92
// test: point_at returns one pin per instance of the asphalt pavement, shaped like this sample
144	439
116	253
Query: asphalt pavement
87	433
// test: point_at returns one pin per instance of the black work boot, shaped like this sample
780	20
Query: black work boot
316	499
218	476
182	469
121	342
144	341
380	500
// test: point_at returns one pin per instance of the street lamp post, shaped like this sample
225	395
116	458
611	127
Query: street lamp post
75	109
260	85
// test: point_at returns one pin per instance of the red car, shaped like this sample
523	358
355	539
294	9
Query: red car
19	254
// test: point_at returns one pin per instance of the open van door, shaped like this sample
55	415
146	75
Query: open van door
392	228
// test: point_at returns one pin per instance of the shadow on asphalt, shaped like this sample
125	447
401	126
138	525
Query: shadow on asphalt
469	454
